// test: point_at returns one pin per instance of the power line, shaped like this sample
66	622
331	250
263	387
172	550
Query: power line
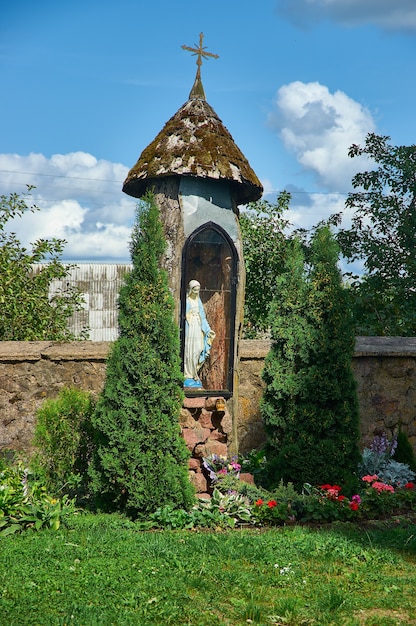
119	182
99	180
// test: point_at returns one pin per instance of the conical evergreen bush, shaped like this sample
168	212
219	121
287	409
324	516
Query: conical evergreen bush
141	459
310	406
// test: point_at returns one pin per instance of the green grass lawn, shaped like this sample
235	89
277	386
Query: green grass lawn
102	571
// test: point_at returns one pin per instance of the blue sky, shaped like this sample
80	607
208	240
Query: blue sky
87	85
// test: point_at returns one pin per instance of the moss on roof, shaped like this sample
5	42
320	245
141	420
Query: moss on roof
194	142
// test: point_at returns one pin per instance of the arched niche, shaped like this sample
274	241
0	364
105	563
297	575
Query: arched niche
210	257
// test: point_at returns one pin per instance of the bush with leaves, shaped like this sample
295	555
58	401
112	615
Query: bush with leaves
64	441
264	248
26	311
310	405
140	462
382	235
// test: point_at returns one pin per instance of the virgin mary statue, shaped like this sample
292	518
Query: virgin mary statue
198	336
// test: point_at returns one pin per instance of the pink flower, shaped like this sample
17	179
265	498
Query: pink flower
259	502
356	499
222	471
271	504
369	479
382	487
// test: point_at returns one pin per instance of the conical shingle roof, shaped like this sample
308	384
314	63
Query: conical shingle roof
194	142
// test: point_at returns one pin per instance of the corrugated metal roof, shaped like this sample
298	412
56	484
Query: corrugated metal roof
100	285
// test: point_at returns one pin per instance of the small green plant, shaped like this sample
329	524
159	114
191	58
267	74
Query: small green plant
382	499
327	503
232	504
25	503
254	462
64	441
271	512
377	459
230	483
220	511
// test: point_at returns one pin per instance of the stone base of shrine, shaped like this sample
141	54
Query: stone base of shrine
206	428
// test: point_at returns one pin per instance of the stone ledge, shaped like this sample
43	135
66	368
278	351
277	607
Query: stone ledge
257	349
385	346
250	349
14	351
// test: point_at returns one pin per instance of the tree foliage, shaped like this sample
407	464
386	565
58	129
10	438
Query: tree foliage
310	407
26	310
141	459
383	235
264	248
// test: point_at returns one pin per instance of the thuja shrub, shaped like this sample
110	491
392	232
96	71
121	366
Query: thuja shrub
64	441
310	406
404	452
140	462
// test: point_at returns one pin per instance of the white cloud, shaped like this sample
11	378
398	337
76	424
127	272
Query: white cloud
391	15
319	127
57	219
108	241
80	200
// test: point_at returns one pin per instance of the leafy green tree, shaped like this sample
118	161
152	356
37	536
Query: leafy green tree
141	459
383	236
310	407
264	248
26	311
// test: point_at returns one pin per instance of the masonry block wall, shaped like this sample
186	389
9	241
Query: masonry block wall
30	372
385	372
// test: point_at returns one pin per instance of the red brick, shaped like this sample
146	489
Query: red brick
194	403
205	419
199	481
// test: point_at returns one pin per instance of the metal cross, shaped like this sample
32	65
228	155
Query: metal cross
200	52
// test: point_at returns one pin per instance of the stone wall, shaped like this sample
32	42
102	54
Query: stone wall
30	372
385	371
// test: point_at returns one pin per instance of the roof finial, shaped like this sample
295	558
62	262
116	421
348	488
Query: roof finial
197	90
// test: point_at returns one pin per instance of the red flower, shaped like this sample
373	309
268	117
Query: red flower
410	485
259	502
271	504
354	506
341	498
331	488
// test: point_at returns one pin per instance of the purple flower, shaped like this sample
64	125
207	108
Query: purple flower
382	446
